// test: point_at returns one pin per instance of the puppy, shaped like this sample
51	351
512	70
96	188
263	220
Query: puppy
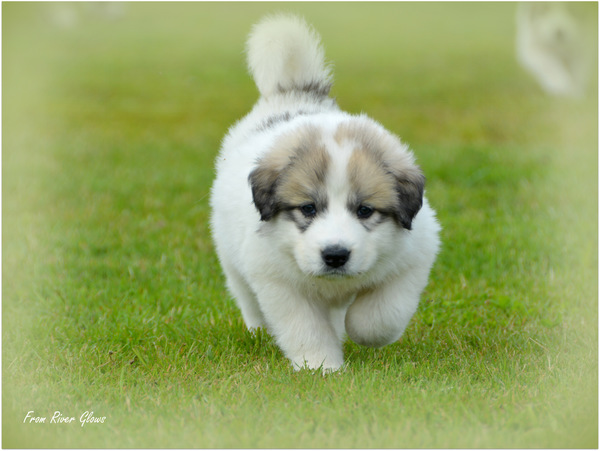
318	216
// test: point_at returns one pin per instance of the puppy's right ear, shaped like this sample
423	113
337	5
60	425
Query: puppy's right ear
263	181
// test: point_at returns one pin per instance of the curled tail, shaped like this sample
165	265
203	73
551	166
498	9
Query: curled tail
285	54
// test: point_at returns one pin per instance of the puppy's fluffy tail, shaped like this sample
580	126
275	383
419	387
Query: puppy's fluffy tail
285	54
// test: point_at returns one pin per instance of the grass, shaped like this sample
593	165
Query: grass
113	301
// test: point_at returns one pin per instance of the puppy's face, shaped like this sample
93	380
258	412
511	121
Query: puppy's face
338	200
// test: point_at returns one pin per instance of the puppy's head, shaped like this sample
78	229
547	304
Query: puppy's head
343	194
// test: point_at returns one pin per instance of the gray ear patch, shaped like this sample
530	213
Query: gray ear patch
410	197
263	181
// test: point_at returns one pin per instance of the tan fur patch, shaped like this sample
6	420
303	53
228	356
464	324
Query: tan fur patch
382	172
292	174
371	183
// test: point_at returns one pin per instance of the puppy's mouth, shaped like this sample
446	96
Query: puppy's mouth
336	274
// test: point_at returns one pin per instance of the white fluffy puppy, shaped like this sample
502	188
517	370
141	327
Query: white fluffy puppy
318	216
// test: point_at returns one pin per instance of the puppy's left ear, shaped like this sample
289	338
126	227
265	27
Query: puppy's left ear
409	190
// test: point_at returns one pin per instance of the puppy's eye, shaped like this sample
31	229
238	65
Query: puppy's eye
308	210
364	211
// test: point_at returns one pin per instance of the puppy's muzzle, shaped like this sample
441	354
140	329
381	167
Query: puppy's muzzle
335	256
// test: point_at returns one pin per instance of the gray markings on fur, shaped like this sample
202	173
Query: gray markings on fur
317	88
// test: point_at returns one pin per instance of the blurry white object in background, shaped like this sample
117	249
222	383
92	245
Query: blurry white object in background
68	14
553	43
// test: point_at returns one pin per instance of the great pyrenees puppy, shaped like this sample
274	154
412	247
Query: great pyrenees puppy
318	216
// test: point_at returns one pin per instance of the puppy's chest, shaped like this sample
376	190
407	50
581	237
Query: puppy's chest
334	293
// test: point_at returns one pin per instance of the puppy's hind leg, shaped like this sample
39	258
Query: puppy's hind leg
245	299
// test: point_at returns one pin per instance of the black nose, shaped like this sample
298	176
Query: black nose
335	256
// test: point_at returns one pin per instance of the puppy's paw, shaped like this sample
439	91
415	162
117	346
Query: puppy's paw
325	364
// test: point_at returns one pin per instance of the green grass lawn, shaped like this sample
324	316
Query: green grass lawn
113	300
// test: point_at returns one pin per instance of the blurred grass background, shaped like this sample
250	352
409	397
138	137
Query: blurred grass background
113	300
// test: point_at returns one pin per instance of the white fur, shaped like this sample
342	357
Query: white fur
273	269
284	51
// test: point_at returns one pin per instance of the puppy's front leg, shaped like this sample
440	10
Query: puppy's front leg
301	327
379	316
